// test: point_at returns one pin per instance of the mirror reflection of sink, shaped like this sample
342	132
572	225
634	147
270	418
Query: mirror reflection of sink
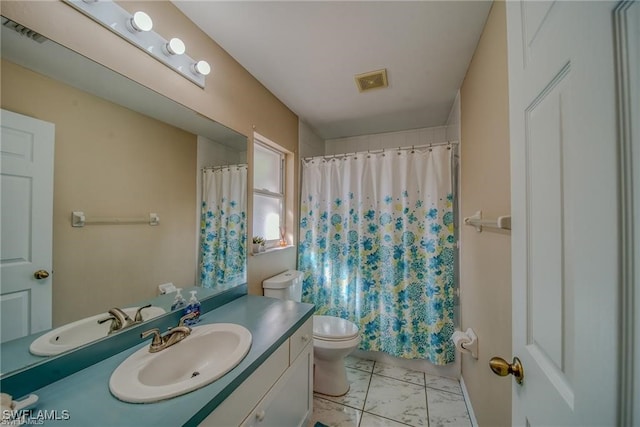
81	332
209	352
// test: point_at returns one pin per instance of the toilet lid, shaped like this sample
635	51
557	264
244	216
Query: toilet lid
332	328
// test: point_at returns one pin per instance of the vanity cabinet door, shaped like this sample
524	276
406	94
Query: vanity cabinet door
290	401
234	409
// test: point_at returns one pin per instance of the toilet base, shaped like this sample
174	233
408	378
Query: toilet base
330	377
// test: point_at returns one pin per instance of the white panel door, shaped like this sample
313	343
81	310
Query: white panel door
565	208
26	210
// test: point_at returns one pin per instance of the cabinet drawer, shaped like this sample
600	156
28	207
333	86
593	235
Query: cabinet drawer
300	339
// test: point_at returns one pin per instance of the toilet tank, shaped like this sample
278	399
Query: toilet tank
287	286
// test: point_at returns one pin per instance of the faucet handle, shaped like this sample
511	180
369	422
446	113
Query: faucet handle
114	324
101	321
187	317
138	317
157	341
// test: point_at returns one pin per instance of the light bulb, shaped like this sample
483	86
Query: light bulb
175	46
202	68
140	21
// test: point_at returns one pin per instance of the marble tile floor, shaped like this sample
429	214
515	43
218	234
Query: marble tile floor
385	395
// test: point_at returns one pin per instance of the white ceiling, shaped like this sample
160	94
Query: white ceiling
307	53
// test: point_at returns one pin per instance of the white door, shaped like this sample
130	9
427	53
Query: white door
565	207
26	211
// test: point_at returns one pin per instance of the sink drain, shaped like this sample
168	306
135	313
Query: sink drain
195	374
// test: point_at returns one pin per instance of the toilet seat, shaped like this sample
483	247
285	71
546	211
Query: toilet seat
333	338
331	329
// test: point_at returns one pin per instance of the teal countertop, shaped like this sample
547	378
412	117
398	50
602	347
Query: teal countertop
86	398
15	355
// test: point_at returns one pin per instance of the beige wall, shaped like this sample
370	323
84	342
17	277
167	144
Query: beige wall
110	162
232	96
485	258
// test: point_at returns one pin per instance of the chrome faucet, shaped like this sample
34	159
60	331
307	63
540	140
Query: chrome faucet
120	320
175	335
138	317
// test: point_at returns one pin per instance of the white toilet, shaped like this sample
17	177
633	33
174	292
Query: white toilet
333	338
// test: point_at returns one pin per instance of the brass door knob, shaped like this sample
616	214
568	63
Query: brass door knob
41	274
501	367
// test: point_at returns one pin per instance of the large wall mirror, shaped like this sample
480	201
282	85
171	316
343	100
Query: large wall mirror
121	151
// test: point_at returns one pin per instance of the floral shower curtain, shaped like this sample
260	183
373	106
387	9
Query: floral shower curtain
223	237
377	248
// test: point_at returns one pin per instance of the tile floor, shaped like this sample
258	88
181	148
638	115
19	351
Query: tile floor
385	395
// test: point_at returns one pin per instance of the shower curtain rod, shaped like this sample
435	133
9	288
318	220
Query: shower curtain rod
381	150
239	165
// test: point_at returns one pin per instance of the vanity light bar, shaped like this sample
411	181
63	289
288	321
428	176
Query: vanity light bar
137	30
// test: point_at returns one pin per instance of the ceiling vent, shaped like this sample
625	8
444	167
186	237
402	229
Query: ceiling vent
372	80
21	29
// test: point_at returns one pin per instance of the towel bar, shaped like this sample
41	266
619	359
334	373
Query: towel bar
78	219
502	222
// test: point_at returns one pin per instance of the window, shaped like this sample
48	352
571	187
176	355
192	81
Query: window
268	192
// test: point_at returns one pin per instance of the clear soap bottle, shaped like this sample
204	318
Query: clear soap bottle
193	307
178	301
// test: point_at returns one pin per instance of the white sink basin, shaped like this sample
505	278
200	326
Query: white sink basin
204	356
81	332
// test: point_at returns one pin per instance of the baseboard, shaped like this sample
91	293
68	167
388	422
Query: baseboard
465	393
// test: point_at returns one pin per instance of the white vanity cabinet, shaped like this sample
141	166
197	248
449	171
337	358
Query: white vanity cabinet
279	393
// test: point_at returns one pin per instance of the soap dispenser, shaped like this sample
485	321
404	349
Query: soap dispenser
193	307
179	301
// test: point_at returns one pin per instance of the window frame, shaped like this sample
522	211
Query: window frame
260	143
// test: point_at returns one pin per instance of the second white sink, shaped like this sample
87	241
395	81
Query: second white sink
83	331
209	352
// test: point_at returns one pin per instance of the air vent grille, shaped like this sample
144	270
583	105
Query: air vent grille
371	80
22	30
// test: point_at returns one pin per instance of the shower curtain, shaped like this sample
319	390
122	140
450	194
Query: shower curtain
377	248
223	237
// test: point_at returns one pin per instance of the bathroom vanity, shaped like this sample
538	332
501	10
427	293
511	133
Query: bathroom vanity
280	391
272	385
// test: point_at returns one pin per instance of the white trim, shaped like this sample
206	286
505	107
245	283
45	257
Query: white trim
626	59
273	249
269	143
263	143
467	400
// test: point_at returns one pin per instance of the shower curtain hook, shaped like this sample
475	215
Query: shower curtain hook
399	150
430	147
413	149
